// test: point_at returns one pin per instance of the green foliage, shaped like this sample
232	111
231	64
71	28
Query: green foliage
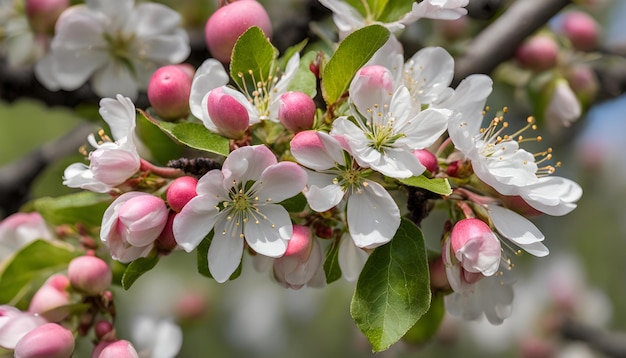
137	268
30	266
304	80
85	207
161	147
393	290
294	204
253	56
352	54
436	185
331	263
429	324
193	135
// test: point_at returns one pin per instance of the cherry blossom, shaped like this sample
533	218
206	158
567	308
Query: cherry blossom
20	229
240	203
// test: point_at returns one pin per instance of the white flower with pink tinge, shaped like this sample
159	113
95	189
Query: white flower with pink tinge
387	128
240	203
19	229
497	158
373	216
113	162
115	44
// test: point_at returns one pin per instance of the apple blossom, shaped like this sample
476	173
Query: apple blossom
131	224
518	230
581	29
18	43
229	22
118	45
302	263
47	341
112	163
538	53
168	92
373	216
19	229
227	113
156	338
388	128
427	159
240	203
89	274
116	349
563	108
475	247
15	324
351	258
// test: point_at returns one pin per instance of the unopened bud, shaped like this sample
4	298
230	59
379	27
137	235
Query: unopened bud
229	22
229	116
476	247
428	159
180	191
166	242
296	111
53	294
375	76
168	92
116	349
43	14
104	330
89	274
581	29
538	53
47	341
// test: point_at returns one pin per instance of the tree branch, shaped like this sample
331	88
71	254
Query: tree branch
498	42
613	344
17	177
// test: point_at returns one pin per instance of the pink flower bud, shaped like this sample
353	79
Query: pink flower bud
168	92
132	223
113	165
581	29
53	294
538	53
48	341
43	14
476	247
296	111
428	159
376	76
229	116
302	262
89	274
438	277
180	191
116	349
166	242
191	306
229	22
103	330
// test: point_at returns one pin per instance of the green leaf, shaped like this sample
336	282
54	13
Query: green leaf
436	185
85	207
304	80
137	268
393	290
428	325
294	204
394	10
353	52
161	146
331	264
30	265
252	53
202	255
194	135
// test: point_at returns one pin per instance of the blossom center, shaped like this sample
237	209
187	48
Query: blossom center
120	45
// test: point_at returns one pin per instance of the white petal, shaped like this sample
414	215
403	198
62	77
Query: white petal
115	78
430	71
164	49
518	229
279	182
168	339
224	256
210	184
398	163
78	175
152	19
373	216
426	128
552	195
119	113
195	221
322	194
269	235
209	75
351	258
317	150
247	163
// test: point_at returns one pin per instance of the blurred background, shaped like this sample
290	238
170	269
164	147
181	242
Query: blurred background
569	304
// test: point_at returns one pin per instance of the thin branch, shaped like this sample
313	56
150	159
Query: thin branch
498	42
613	344
16	178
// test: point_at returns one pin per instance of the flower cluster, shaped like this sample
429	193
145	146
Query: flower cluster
311	191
